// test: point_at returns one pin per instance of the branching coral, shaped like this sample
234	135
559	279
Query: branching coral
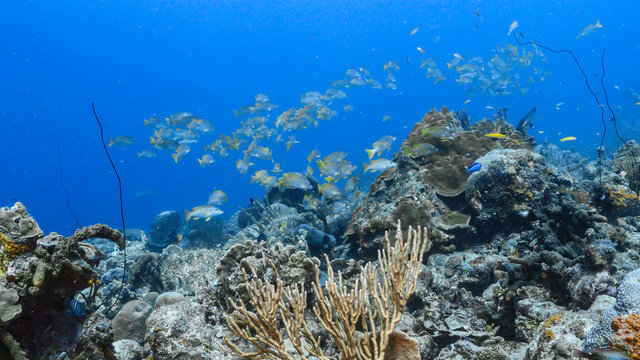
360	320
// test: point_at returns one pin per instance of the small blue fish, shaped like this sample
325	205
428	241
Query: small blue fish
474	167
77	308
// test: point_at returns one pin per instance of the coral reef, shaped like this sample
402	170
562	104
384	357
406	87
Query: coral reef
426	187
293	267
627	303
378	298
129	323
626	162
527	261
626	337
164	230
40	282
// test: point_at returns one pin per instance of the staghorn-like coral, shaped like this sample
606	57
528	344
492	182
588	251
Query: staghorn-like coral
360	321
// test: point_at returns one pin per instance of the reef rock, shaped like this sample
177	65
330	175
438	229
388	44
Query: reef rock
9	308
293	267
508	187
188	271
164	230
427	186
129	323
128	350
168	298
199	233
181	331
95	341
45	273
627	302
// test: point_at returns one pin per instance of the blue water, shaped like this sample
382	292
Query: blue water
141	59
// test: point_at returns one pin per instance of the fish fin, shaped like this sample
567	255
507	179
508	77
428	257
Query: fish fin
187	215
208	219
175	157
111	141
581	354
598	24
370	152
366	167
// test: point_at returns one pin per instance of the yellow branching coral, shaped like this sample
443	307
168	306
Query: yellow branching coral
360	320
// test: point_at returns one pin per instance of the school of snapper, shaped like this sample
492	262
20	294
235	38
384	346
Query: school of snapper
508	71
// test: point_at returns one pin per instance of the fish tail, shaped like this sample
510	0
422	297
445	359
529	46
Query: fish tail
598	24
366	167
581	354
370	152
187	215
200	161
175	157
151	140
111	141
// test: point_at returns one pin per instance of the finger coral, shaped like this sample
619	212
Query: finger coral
360	319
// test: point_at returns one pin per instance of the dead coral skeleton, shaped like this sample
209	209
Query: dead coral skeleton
360	320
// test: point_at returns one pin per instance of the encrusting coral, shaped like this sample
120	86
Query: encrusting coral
360	321
627	335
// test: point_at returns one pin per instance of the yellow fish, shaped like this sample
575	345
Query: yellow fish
568	138
496	136
638	103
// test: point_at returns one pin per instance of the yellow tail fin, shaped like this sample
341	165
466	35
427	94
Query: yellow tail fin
598	24
111	141
370	152
175	157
